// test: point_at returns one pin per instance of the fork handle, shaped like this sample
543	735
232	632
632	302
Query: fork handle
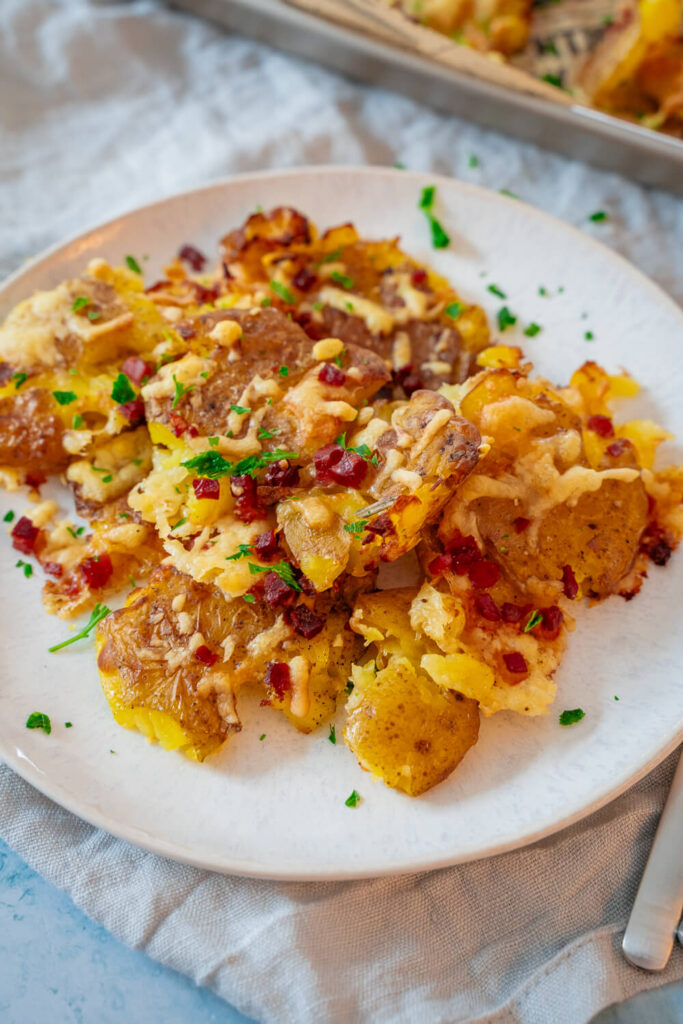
656	912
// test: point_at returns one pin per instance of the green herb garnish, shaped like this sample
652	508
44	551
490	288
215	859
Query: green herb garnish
263	735
243	551
505	318
241	410
283	569
508	193
440	240
68	725
572	716
64	397
353	800
532	330
133	265
99	612
355	527
93	314
265	302
180	390
249	598
266	435
331	257
598	216
284	371
38	720
79	302
349	687
534	619
343	279
18	379
28	569
181	522
473	160
454	310
333	735
283	291
8	517
75	533
78	422
553	80
122	391
589	335
495	290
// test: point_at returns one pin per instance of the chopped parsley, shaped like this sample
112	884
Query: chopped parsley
616	698
93	314
283	569
28	569
543	291
354	799
553	80
180	390
78	532
132	581
266	435
263	735
331	257
440	240
333	734
572	716
265	302
124	515
38	720
181	522
8	517
362	449
508	193
243	551
473	160
355	528
213	465
122	391
338	358
505	318
79	303
495	290
598	216
78	422
349	687
68	725
454	310
249	598
18	379
241	410
64	397
349	306
343	279
283	291
549	47
213	441
284	371
534	619
133	265
99	612
589	335
532	330
317	306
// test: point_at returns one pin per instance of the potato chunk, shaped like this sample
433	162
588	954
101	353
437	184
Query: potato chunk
405	728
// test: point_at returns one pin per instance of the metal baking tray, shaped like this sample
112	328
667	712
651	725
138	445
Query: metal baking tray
575	131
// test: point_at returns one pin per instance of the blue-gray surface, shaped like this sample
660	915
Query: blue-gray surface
57	965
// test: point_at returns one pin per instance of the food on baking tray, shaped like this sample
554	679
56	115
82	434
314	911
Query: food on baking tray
250	444
636	71
502	26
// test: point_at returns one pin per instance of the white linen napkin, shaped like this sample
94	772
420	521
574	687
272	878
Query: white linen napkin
106	107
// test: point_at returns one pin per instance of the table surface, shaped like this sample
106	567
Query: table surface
57	965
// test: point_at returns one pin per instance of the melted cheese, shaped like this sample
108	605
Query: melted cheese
187	371
299	674
327	348
376	317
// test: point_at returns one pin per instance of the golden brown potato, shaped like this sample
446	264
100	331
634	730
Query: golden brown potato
405	728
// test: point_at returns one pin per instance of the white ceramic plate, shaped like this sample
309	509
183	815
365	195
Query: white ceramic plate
275	808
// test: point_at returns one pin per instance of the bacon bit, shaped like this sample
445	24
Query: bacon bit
618	447
35	480
651	503
179	425
487	607
484	574
186	330
655	545
247	506
305	622
600	425
513	612
205	655
570	587
202	294
409	381
304	279
551	622
194	257
332	375
336	465
380	526
205	488
97	571
281	474
53	569
441	564
465	552
135	368
521	524
418	277
515	662
276	591
134	411
266	545
24	536
278	678
308	587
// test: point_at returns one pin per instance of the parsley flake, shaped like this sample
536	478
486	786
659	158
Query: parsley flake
266	435
495	290
283	569
570	717
355	528
249	598
262	737
78	422
180	390
532	330
133	265
122	391
241	410
553	80
93	314
243	551
317	306
440	240
64	397
38	720
543	291
598	216
75	533
99	612
284	371
331	257
505	318
8	517
589	335
333	734
354	799
343	279
283	291
534	619
454	310
181	522
28	569
79	303
508	193
68	725
473	160
18	379
349	687
265	302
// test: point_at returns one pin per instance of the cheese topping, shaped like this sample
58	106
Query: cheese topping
327	348
299	674
376	317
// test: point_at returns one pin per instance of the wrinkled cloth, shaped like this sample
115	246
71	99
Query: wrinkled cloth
106	107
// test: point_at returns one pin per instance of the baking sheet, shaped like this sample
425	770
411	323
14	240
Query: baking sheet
573	130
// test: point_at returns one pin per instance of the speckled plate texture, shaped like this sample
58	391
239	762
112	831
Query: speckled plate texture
275	808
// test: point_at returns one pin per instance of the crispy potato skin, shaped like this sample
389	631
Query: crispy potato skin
31	434
407	730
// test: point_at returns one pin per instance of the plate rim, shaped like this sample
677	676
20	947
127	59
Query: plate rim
60	795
